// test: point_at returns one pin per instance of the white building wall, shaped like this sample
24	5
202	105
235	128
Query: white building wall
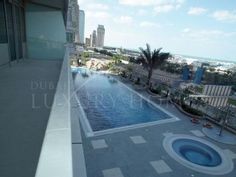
100	35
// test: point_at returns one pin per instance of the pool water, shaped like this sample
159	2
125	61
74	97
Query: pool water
108	103
197	152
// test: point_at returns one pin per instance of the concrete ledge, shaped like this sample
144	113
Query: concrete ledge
184	112
79	167
56	153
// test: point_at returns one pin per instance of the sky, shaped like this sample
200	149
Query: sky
204	28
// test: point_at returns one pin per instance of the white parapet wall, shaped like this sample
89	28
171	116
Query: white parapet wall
56	153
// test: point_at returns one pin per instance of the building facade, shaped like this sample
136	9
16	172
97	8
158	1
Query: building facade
73	22
81	26
25	32
87	42
198	75
100	36
93	39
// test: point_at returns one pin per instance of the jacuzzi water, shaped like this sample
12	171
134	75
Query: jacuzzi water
109	104
197	152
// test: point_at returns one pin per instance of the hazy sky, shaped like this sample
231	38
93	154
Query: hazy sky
205	28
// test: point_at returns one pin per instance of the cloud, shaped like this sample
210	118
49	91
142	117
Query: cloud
167	6
97	6
137	2
98	14
186	30
142	12
224	15
197	11
164	8
205	34
176	3
124	20
147	24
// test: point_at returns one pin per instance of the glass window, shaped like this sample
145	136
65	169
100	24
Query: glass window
22	14
3	32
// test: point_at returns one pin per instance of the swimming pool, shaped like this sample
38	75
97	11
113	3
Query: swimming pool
108	103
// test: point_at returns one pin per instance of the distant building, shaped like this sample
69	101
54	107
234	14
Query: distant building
93	38
76	22
72	29
87	42
90	37
185	73
81	26
100	35
198	75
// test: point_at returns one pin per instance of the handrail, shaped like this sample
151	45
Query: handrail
56	153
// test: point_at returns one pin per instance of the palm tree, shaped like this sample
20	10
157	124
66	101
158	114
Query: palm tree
152	59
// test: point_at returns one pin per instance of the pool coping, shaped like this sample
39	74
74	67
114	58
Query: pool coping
90	133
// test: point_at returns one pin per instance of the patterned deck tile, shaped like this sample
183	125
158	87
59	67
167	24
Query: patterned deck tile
113	172
137	139
99	144
197	133
160	166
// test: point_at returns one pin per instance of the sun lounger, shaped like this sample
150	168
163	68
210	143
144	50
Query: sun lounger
195	121
207	125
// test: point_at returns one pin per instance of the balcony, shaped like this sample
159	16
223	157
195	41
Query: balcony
35	125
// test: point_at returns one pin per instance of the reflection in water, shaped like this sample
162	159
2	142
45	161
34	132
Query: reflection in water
112	81
84	75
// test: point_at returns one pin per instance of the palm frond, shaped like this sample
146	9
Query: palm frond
145	57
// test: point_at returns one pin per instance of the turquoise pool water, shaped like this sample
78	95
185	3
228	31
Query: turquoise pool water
109	104
197	152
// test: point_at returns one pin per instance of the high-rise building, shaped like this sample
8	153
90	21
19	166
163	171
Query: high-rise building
76	22
93	39
90	37
73	22
198	75
100	35
87	42
81	26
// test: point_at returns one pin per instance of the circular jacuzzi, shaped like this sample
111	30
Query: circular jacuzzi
198	154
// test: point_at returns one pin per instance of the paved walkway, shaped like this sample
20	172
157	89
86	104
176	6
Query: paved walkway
225	137
140	153
27	90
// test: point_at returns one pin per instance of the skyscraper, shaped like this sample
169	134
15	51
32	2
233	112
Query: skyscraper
100	35
93	39
198	75
81	26
87	42
73	22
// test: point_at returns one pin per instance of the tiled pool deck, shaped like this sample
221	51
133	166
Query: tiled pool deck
140	153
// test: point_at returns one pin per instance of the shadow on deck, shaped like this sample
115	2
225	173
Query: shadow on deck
26	95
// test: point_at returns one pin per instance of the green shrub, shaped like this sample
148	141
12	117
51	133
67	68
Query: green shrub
137	82
191	110
156	90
